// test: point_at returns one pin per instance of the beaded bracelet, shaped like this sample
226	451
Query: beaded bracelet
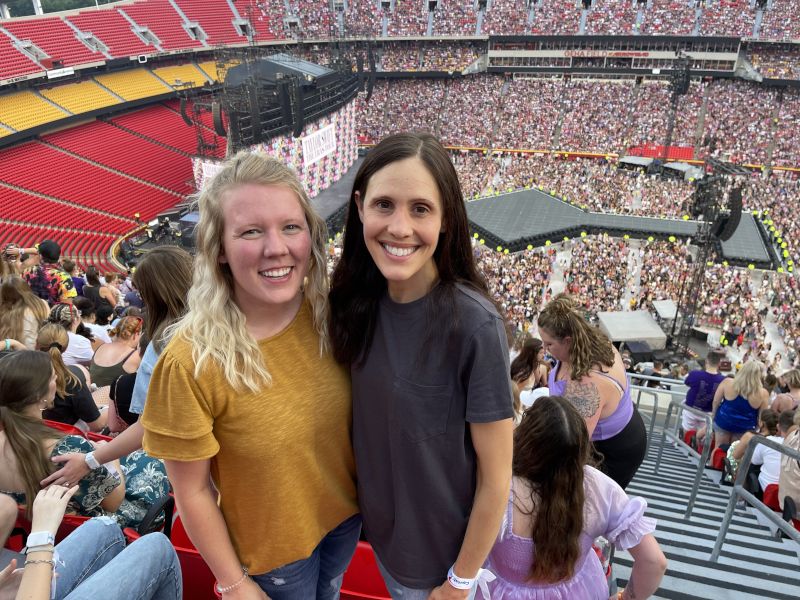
224	590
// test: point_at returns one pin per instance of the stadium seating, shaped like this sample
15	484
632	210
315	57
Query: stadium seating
28	208
162	20
108	145
80	182
80	97
611	17
114	30
56	38
507	17
408	18
157	123
668	17
209	67
363	18
133	84
266	17
215	18
728	17
181	74
13	62
23	110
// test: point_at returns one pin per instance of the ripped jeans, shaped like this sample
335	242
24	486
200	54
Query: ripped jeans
98	565
320	575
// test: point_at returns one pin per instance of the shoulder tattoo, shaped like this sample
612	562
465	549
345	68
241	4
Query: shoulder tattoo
585	397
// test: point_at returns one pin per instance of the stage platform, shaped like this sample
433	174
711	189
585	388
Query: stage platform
531	217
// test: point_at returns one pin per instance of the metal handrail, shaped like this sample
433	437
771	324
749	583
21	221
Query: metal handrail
635	375
652	416
674	406
739	492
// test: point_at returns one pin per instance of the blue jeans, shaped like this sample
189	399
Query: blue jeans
400	592
97	565
320	575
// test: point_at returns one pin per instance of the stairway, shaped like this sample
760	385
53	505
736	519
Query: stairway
753	564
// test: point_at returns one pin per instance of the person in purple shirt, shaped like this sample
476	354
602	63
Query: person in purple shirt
702	384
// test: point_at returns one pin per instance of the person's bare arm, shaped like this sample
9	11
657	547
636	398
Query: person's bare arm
649	566
739	449
74	464
206	526
493	446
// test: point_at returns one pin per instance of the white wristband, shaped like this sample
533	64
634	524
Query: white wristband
483	578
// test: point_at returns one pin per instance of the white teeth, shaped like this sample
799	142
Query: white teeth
277	272
395	251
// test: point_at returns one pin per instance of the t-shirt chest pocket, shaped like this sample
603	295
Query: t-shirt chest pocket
420	411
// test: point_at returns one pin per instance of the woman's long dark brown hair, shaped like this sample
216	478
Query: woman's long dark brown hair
551	447
24	380
357	285
527	361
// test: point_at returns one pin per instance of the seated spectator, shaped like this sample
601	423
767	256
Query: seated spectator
120	356
47	279
21	312
79	350
791	399
789	477
557	506
95	291
89	320
123	489
702	385
528	370
71	269
132	298
73	401
737	404
93	561
762	455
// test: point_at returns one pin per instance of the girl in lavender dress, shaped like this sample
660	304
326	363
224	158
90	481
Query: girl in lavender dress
557	506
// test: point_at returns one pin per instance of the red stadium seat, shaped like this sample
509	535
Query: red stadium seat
363	580
198	580
770	497
718	459
68	429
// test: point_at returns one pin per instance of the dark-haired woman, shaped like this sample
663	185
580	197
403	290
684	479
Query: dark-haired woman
590	373
95	291
558	505
428	356
529	371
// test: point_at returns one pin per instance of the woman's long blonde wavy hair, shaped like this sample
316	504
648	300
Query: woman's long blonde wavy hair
561	318
747	382
214	325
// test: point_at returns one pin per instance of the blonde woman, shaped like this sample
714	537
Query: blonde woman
591	375
73	401
246	396
791	399
21	311
738	402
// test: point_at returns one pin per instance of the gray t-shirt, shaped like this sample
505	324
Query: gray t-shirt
412	404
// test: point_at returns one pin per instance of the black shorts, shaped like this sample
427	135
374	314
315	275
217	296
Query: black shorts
619	457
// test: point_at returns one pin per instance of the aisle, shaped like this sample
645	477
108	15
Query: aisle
753	565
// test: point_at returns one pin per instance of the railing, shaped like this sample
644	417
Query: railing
675	405
654	394
739	492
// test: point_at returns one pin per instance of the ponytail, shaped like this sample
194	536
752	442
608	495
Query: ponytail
53	340
590	346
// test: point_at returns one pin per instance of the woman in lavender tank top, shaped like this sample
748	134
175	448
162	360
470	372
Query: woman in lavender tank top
557	506
590	374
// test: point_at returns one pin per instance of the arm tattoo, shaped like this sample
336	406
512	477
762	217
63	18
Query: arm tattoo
585	397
